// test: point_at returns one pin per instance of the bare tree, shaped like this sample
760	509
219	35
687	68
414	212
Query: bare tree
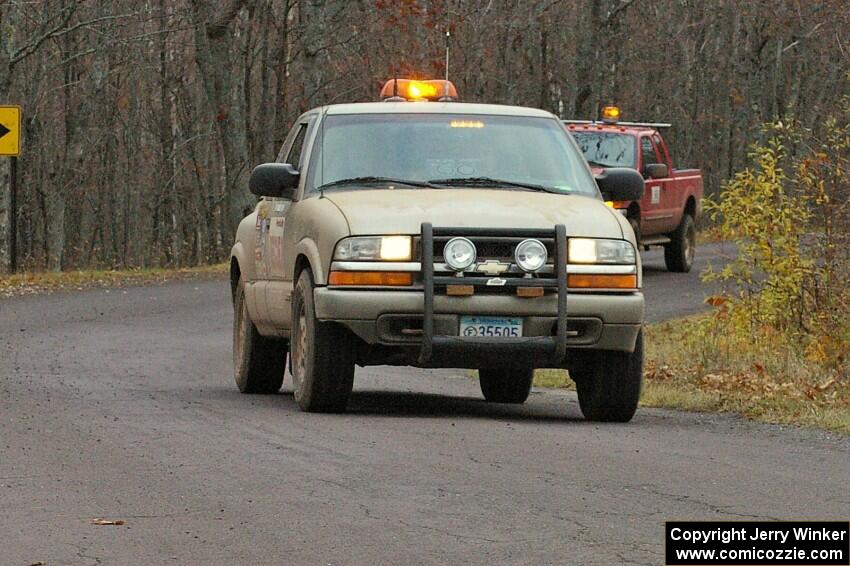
214	54
143	119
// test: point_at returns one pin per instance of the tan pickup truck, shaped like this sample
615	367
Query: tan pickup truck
425	232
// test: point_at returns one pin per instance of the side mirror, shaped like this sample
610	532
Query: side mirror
657	171
274	180
620	184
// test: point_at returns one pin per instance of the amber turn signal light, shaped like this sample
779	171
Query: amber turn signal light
460	290
371	278
595	281
529	292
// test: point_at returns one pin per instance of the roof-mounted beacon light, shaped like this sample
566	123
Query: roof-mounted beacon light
398	90
610	114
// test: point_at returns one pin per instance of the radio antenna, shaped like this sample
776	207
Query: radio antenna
448	35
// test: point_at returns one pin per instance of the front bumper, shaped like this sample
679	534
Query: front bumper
596	321
349	304
427	322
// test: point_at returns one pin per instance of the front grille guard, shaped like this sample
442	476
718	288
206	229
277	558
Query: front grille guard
554	347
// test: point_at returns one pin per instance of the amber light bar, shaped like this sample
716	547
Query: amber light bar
409	89
371	278
595	281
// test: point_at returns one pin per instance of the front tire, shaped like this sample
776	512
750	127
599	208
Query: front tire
610	390
322	355
679	253
505	385
258	362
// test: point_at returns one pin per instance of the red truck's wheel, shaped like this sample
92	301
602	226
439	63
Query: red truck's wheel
679	253
322	355
635	224
258	362
505	385
609	391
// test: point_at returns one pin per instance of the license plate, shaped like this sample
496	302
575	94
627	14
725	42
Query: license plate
490	326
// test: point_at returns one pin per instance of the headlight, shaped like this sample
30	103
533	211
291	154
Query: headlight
530	255
366	248
587	250
459	253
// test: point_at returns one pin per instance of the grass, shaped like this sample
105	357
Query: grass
709	235
690	366
47	282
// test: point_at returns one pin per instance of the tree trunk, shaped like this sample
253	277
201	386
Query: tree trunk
5	218
213	38
313	16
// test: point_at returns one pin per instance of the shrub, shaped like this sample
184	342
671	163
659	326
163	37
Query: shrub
789	214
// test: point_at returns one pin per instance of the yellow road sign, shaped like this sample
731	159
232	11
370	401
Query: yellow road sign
10	130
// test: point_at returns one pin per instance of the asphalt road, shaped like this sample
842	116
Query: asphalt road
120	404
671	295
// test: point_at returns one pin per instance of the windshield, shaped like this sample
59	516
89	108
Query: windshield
525	153
607	150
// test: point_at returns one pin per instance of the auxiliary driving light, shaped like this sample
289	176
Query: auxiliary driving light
530	255
459	253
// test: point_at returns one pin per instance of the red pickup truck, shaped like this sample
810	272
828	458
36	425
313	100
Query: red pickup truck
672	203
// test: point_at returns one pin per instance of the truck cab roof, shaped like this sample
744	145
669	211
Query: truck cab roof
611	128
435	108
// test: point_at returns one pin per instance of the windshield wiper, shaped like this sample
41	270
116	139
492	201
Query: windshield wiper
371	180
491	182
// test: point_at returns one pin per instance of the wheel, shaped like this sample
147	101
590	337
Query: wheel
610	391
322	355
635	224
505	385
258	362
679	253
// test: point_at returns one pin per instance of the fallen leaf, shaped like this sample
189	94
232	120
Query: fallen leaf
716	300
99	521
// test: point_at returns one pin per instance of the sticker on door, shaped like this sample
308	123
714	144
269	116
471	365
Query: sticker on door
656	194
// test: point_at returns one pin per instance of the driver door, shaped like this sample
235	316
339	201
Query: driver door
655	218
279	285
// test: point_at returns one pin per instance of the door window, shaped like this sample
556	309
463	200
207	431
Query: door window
297	149
659	147
647	152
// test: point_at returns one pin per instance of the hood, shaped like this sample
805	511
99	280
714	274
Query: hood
402	211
